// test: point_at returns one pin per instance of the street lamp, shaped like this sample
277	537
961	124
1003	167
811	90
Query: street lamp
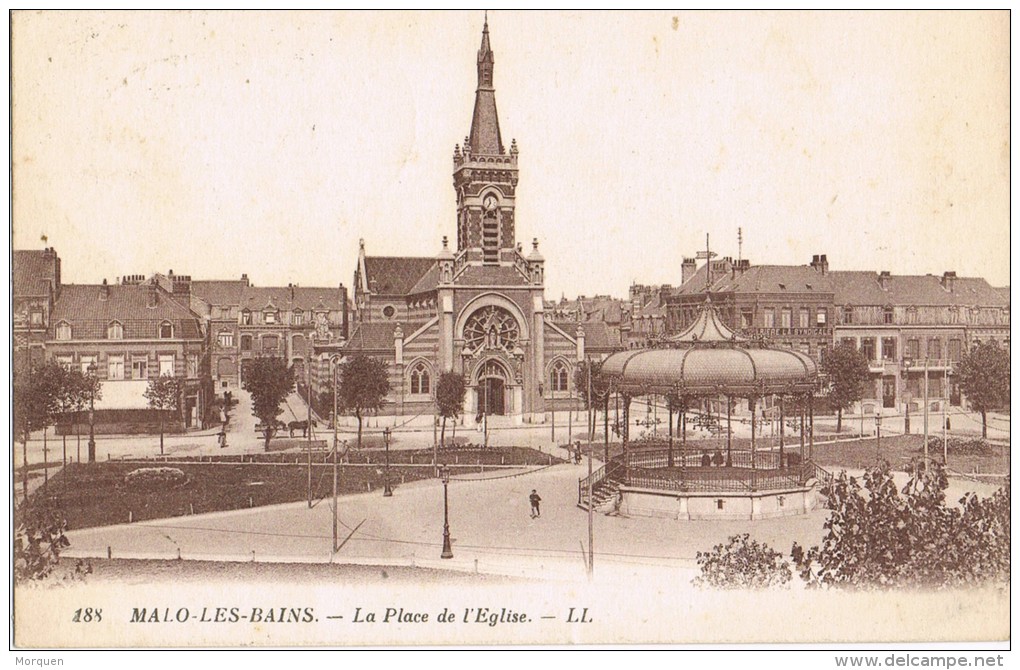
387	491
906	385
92	412
878	435
444	473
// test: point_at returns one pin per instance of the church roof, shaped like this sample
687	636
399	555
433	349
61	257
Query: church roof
490	275
379	335
396	275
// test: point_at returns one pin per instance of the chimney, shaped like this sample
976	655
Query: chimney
244	279
153	294
182	287
687	270
820	263
344	333
949	281
664	292
291	287
883	279
104	291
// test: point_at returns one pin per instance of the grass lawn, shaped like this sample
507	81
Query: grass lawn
899	450
99	494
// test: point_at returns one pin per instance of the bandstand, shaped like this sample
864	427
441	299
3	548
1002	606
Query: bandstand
678	479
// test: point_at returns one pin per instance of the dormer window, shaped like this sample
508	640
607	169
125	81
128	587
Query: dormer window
115	331
848	314
245	317
269	317
887	315
166	330
298	318
63	331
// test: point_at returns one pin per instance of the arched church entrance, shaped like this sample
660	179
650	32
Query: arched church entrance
492	391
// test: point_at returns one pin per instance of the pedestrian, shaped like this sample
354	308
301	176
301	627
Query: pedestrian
577	452
535	500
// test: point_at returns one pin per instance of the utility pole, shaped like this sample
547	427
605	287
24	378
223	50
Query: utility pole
336	520
308	430
591	503
926	412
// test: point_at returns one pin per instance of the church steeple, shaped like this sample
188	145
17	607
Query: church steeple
485	137
485	177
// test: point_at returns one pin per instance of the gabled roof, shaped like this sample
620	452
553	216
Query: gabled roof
774	279
288	298
33	272
379	335
395	275
865	288
82	307
219	292
598	335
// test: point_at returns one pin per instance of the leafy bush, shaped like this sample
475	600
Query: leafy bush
742	563
959	446
879	536
38	541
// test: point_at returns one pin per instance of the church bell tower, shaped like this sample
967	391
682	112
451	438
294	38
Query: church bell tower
485	176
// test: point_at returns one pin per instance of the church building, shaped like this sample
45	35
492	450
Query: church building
477	308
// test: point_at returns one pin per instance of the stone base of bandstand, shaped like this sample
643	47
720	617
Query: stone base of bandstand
691	506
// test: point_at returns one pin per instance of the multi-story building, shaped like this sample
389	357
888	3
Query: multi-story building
35	287
127	334
246	321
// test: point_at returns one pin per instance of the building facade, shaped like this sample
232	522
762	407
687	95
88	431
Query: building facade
35	287
478	308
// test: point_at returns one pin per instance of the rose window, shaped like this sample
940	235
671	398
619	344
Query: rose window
491	328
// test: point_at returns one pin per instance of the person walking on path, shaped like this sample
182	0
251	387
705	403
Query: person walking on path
535	500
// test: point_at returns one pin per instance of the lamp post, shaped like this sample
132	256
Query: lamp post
92	412
878	435
444	473
387	491
906	386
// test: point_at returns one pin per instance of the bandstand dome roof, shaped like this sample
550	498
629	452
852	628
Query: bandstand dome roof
709	358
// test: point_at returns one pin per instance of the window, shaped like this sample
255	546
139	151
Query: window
36	318
269	317
192	363
115	331
559	377
821	317
849	340
388	311
225	338
770	318
913	349
955	349
297	318
66	362
166	365
848	314
887	315
139	367
270	343
935	348
115	367
889	348
246	343
746	318
245	318
166	330
805	318
868	348
86	363
419	379
787	316
63	331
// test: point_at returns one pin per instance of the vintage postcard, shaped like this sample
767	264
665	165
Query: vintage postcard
700	336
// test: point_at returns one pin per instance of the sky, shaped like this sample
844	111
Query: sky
219	143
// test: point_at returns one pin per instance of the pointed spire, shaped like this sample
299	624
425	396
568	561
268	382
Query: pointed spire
485	137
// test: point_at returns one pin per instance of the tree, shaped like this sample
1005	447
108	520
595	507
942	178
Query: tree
984	379
364	383
450	391
845	370
742	563
879	536
164	394
269	380
33	410
599	400
71	396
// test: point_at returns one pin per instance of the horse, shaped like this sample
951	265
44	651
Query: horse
302	426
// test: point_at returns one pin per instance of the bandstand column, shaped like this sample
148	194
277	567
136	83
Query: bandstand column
729	431
803	411
669	409
811	426
626	438
782	429
754	409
